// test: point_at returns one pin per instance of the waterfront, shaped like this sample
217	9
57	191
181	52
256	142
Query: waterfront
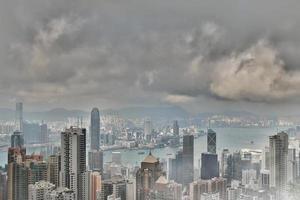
231	138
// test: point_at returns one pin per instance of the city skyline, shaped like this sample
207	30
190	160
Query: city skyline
149	100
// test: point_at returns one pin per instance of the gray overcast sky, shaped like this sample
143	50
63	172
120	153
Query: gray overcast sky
203	55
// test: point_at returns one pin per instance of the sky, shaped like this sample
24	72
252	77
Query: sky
201	55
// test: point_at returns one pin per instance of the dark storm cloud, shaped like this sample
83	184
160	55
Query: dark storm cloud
116	53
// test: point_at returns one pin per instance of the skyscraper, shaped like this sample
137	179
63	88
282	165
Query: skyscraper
96	160
53	168
19	116
95	129
44	137
146	176
211	141
17	140
224	162
115	186
278	160
165	190
211	186
147	129
209	166
188	159
92	185
176	128
73	159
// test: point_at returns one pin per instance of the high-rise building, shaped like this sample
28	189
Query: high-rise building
266	158
95	129
265	179
40	190
18	175
188	160
211	141
131	189
212	186
165	190
61	194
224	162
17	172
92	185
248	176
19	116
73	159
37	170
175	128
44	137
3	185
209	166
147	129
96	160
53	169
17	140
32	132
278	160
115	186
291	166
146	177
176	167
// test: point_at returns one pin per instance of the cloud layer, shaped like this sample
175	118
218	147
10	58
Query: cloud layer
136	52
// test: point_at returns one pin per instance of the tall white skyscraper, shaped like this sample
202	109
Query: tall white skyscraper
73	159
278	160
19	116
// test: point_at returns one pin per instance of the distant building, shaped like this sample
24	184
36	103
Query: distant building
115	186
211	141
175	128
116	157
61	194
73	159
40	190
131	189
146	177
278	160
53	169
248	176
265	179
96	160
188	159
95	129
44	136
3	185
165	190
91	185
19	116
147	130
17	140
208	187
32	133
209	166
291	166
224	162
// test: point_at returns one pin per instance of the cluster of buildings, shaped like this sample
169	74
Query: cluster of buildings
78	172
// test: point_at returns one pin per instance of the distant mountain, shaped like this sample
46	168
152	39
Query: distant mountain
55	114
155	113
227	113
